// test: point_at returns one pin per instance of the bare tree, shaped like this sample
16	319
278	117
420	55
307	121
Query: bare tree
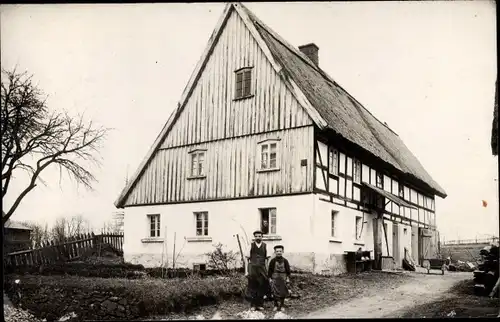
33	138
69	227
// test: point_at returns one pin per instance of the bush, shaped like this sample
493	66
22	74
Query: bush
96	298
220	260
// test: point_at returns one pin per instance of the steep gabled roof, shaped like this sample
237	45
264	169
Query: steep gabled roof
328	105
343	114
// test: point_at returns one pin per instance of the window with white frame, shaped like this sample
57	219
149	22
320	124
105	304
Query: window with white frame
333	162
197	163
201	223
334	216
401	191
243	83
268	221
356	177
154	225
269	155
379	180
359	223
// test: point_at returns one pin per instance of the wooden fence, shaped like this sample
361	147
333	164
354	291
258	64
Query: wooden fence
71	249
491	240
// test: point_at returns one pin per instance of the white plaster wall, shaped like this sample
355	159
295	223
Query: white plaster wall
226	219
345	239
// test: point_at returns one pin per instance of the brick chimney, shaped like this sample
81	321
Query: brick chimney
311	51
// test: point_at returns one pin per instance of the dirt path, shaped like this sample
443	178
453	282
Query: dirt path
420	289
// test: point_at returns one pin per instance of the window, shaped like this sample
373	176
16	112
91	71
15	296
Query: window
334	220
201	223
197	159
405	231
380	180
358	227
154	225
334	162
357	171
268	221
268	156
401	191
243	83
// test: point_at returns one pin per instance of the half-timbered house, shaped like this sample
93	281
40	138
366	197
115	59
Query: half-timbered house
263	138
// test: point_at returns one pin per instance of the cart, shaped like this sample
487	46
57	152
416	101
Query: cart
435	264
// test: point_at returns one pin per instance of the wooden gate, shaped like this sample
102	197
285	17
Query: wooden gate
427	244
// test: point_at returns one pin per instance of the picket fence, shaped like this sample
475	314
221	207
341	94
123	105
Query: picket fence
70	249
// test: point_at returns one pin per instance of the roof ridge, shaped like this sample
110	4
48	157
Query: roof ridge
302	56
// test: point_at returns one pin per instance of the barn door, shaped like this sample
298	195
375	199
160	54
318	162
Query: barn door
425	241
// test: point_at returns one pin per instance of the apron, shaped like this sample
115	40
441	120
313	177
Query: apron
279	287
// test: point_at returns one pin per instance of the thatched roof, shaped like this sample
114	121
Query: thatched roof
494	130
343	114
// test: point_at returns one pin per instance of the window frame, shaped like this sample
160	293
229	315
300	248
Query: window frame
333	161
356	175
204	223
268	144
401	191
356	226
271	212
334	223
379	176
246	83
154	225
200	166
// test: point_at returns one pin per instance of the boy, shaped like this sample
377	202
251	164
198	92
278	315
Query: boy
257	277
279	277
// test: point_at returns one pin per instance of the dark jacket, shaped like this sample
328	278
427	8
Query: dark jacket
272	265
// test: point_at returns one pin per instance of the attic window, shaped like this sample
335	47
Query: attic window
243	87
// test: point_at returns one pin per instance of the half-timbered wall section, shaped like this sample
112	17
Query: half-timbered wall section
214	112
232	168
339	175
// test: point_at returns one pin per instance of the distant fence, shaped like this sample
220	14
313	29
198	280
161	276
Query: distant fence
491	240
71	249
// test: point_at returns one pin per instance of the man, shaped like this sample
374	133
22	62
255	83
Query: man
257	273
279	277
265	227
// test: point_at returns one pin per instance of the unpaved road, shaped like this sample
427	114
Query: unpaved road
420	289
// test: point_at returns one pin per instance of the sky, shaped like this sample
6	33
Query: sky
428	69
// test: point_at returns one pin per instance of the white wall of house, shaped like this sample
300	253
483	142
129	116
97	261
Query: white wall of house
303	226
226	219
330	249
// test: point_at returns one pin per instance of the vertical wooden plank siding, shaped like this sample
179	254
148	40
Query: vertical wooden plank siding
212	114
231	169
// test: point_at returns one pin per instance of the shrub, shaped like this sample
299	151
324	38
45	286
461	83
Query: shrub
220	260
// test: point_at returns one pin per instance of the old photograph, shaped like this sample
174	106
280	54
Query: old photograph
249	160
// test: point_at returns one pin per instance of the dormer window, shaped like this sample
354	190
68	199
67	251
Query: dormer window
243	87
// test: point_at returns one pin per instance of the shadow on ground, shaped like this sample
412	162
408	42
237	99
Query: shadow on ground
461	303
